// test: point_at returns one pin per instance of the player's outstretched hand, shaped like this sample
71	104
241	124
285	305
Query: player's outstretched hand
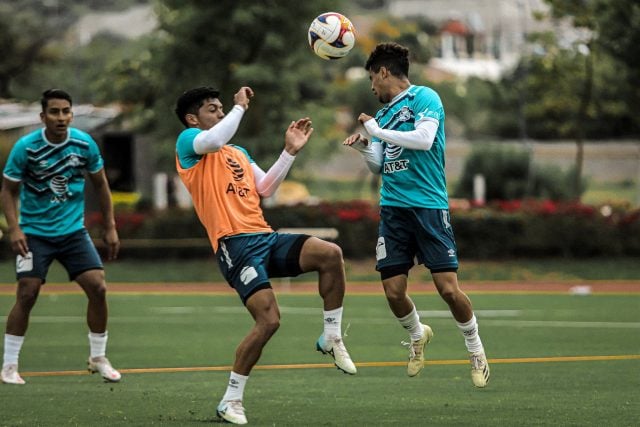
363	117
297	135
242	96
357	140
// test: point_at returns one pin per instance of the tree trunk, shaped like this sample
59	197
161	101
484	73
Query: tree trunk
585	102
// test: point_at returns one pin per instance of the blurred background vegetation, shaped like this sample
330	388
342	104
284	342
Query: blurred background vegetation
583	89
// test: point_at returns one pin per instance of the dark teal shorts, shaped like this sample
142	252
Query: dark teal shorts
248	261
405	234
76	252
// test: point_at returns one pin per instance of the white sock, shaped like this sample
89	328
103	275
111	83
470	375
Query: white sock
98	344
471	337
332	322
411	322
235	388
12	346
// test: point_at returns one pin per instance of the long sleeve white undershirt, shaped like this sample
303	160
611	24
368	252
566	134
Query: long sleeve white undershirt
212	140
419	139
267	183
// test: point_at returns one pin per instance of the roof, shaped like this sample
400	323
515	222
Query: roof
85	116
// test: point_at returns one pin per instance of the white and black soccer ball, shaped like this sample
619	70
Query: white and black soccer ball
331	35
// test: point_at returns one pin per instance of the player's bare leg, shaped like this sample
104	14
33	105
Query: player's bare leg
93	284
326	258
27	293
462	310
401	305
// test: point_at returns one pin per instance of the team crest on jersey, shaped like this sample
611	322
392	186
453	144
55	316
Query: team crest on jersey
392	151
59	185
404	114
238	175
235	168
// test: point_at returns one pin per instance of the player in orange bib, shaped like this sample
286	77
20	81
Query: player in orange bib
226	186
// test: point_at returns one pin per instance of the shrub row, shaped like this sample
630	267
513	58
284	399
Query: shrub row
501	230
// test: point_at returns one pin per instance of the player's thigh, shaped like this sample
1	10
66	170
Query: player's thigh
42	252
320	255
396	238
285	259
243	262
78	254
436	246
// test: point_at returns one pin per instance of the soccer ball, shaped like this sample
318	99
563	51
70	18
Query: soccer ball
331	35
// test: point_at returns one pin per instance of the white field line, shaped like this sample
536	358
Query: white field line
175	315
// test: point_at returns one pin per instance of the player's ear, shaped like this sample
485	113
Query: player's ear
191	119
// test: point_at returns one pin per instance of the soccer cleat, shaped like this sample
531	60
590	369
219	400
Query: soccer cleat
416	352
334	346
10	374
231	411
479	369
102	365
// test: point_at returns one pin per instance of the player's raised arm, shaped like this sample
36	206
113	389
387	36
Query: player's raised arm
371	152
296	136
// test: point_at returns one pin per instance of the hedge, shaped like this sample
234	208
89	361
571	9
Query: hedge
530	228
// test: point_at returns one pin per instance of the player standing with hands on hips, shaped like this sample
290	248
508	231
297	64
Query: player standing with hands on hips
226	186
407	148
46	171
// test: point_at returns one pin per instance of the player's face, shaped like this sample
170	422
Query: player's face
56	118
210	113
378	85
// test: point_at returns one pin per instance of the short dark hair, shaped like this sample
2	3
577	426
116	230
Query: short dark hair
54	94
393	56
191	101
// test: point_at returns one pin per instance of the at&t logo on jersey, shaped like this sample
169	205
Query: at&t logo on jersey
394	166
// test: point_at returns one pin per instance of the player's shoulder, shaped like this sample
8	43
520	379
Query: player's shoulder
423	92
80	135
30	138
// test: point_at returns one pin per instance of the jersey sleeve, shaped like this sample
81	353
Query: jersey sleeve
187	155
95	161
16	163
427	106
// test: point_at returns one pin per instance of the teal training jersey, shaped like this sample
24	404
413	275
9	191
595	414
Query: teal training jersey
413	178
52	177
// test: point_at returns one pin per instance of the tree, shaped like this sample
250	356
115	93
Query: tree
603	26
228	44
26	30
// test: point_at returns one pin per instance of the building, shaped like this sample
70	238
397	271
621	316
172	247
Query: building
481	38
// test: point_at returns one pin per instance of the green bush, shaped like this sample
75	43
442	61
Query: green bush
502	229
509	174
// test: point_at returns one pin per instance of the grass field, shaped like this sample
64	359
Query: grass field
556	360
206	270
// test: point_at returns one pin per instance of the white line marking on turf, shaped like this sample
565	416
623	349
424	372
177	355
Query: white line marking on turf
560	324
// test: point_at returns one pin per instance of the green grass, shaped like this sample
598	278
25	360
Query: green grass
148	331
206	270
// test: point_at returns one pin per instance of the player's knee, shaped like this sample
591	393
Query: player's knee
27	298
331	257
270	327
96	291
449	295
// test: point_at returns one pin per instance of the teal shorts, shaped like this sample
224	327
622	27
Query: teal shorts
76	252
248	261
405	234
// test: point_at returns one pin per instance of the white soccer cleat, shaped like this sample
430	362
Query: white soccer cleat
479	369
10	375
334	346
231	411
416	352
102	366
